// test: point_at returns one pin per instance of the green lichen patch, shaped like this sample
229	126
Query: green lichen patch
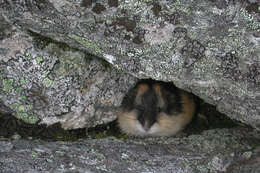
29	107
23	98
39	59
35	155
28	57
70	63
8	84
25	108
21	108
15	106
47	82
86	43
46	72
26	117
22	81
19	90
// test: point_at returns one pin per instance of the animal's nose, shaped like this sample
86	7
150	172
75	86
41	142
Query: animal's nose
146	126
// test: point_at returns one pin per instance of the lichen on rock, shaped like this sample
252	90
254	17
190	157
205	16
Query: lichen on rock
210	48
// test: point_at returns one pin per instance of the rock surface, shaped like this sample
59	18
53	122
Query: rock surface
59	85
211	48
220	150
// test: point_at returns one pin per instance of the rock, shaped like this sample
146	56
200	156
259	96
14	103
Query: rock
210	48
220	150
57	85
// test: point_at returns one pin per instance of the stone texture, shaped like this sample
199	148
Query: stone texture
221	150
208	47
55	83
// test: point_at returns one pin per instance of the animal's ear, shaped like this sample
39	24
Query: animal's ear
169	93
129	99
172	99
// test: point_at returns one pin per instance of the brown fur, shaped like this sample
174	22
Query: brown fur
170	125
165	125
142	88
157	88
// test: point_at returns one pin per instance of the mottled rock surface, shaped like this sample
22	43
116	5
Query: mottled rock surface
208	47
59	84
221	150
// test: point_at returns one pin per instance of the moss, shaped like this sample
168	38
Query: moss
105	134
100	135
65	135
8	85
86	43
122	136
47	82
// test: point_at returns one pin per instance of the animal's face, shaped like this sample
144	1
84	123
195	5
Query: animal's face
153	109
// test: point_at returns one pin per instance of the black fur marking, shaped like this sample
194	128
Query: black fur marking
155	108
147	110
129	99
172	99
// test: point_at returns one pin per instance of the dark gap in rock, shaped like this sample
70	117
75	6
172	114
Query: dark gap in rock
104	130
41	42
206	118
197	125
11	127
